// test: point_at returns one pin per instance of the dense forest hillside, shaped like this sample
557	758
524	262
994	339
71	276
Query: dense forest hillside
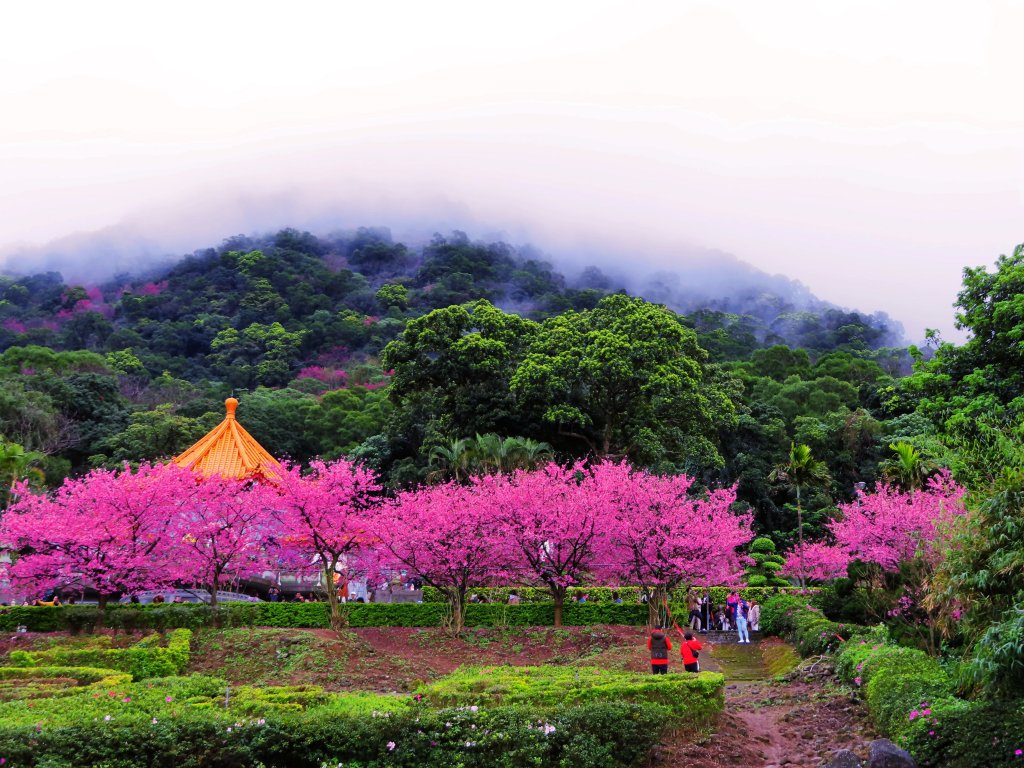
457	357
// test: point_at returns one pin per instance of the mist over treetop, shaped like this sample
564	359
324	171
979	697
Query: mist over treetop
345	268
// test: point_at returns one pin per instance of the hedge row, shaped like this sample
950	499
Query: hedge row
594	736
603	594
693	701
909	695
142	660
311	615
190	721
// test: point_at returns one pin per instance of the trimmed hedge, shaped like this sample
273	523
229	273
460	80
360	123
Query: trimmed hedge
84	676
142	660
604	594
692	700
187	721
317	615
602	735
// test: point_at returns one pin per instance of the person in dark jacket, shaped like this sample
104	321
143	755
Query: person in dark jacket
659	646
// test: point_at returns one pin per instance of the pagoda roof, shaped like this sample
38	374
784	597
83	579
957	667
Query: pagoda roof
229	451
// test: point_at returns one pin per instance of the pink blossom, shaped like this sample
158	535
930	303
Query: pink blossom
887	527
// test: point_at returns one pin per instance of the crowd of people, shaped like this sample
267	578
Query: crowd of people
737	613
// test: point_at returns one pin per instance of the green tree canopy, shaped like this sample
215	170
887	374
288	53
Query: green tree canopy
626	378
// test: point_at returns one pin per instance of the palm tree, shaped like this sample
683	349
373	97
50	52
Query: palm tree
800	471
526	453
452	460
488	453
16	464
908	467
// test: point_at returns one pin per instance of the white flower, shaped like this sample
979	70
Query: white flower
154	721
107	717
391	746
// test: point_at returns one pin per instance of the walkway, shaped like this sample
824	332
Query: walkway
770	721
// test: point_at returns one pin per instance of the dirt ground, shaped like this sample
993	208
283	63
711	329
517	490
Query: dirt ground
798	719
398	659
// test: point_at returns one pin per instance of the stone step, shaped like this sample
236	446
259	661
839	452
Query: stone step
726	637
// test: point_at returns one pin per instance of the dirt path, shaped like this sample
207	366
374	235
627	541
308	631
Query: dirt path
796	723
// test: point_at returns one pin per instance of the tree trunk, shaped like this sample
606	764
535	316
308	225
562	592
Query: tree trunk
558	593
101	604
214	606
800	536
655	606
457	600
337	620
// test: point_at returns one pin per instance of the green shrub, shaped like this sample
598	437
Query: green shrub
778	614
897	681
965	734
695	700
142	660
605	735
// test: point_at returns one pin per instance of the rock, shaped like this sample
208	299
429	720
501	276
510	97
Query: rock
844	758
882	753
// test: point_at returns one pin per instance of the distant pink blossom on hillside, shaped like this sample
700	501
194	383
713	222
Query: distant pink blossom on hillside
330	376
15	326
153	289
95	294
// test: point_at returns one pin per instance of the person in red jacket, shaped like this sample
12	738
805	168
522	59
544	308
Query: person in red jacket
659	646
689	651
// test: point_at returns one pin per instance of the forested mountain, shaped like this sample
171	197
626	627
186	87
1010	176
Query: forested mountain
452	357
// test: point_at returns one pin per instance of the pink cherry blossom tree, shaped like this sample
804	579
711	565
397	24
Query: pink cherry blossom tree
555	524
323	518
895	530
661	536
887	528
109	531
449	536
224	531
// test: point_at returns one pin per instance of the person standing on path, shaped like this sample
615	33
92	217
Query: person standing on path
754	616
742	611
693	604
730	605
690	650
659	646
705	609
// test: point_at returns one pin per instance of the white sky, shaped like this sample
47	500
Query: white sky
868	149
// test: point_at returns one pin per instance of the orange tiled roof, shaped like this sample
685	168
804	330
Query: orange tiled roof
228	450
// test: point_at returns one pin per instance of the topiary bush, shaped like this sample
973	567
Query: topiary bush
767	563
